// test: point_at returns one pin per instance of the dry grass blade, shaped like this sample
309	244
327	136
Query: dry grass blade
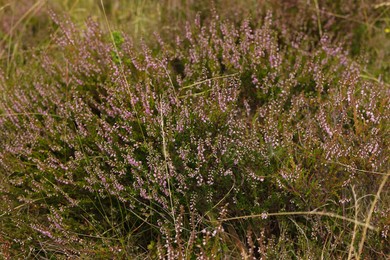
210	79
319	213
372	208
356	205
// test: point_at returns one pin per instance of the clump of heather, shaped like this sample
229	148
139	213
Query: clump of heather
110	149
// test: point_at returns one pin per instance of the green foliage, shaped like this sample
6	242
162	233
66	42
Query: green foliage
166	146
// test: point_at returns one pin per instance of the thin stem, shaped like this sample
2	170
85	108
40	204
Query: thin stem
318	17
320	213
368	219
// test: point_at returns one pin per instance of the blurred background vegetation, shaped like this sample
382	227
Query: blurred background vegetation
363	26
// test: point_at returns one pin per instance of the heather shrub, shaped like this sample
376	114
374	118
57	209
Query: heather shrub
111	150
